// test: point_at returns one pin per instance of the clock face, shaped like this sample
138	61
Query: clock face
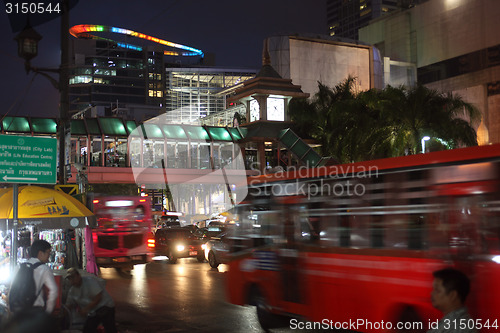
254	110
276	109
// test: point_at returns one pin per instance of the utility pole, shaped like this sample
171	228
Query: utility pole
64	121
27	41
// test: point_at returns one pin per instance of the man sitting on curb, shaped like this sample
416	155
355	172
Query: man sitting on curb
92	302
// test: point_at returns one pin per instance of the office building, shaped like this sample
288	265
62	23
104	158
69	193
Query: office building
454	47
345	17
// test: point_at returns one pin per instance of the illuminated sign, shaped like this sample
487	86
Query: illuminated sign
84	30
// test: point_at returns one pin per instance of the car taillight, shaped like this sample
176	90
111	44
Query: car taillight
151	242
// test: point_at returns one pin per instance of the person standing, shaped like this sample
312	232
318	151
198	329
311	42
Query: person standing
40	252
449	291
92	302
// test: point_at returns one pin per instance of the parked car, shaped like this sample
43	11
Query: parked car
207	233
169	221
216	250
177	242
191	227
210	223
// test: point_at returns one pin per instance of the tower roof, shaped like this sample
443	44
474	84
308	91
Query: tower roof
268	82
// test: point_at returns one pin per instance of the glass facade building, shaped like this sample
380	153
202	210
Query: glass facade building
194	93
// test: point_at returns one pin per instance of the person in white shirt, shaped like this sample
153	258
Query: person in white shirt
40	252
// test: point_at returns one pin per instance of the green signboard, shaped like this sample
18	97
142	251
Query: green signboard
28	160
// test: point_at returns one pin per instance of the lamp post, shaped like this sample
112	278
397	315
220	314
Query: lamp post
27	45
425	138
27	41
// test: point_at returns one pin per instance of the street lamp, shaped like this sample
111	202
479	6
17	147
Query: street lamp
27	45
425	138
27	48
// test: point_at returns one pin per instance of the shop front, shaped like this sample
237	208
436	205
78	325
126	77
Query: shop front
51	215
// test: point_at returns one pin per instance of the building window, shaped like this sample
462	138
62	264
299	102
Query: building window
80	79
155	93
155	76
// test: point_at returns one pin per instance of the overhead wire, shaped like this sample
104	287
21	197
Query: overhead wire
22	95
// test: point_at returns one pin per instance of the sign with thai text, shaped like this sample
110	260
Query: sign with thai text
28	160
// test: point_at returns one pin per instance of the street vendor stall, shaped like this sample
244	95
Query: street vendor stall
48	214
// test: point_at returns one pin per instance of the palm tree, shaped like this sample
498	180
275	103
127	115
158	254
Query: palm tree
326	117
382	123
419	111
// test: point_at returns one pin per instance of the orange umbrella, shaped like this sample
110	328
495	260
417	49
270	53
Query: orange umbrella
45	208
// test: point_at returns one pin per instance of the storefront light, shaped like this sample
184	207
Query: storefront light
4	274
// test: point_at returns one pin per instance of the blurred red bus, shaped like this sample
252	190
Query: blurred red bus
354	246
123	236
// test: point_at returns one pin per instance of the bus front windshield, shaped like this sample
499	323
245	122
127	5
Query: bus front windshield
122	216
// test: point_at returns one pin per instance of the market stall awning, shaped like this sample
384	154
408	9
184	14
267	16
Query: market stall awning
44	208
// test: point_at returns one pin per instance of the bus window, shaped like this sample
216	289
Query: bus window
377	231
463	222
258	226
490	227
303	229
437	230
344	231
139	213
326	226
377	198
416	225
397	235
360	231
309	226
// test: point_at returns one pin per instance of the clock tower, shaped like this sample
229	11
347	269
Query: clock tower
266	98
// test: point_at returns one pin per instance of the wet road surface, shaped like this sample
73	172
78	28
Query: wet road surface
184	297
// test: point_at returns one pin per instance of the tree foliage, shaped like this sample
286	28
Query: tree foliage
372	124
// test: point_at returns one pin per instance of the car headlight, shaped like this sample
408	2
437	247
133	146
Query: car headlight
203	246
180	248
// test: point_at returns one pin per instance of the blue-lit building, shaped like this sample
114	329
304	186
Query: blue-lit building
111	78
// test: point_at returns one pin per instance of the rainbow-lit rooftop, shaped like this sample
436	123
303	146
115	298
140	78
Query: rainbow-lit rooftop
85	30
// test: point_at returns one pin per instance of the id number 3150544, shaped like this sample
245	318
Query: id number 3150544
46	7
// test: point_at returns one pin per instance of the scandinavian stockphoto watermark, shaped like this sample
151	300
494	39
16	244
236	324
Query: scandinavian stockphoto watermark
336	180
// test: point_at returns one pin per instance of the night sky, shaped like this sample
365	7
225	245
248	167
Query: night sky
231	30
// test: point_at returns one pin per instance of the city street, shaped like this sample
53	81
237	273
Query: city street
342	157
185	297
